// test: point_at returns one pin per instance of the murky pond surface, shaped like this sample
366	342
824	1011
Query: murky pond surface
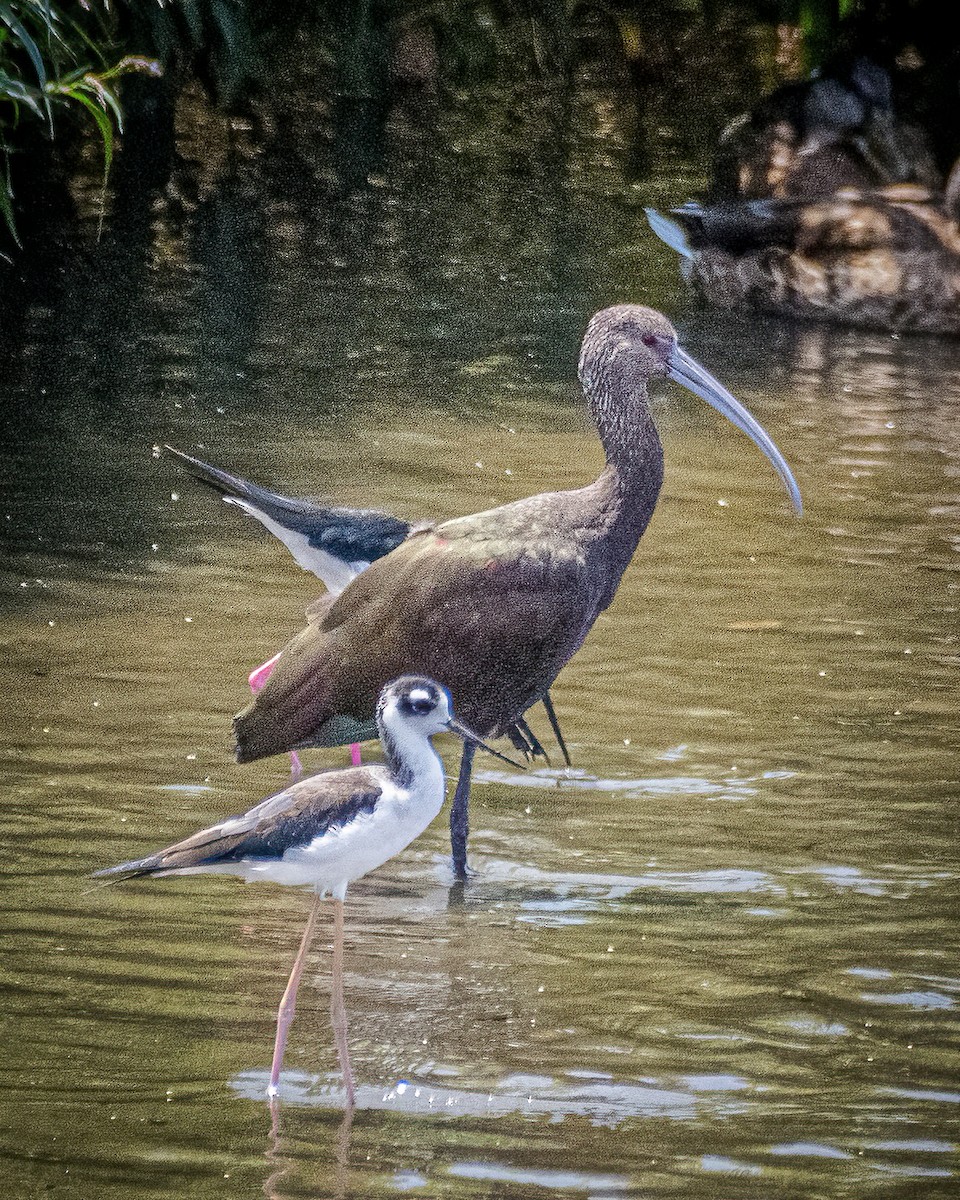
716	959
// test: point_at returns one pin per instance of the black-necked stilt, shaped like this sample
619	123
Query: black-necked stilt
492	605
326	831
335	544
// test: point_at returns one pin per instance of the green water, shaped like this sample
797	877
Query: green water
718	958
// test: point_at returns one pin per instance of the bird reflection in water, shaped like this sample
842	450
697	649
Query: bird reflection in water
281	1165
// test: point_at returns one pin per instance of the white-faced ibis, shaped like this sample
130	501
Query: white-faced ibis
493	605
335	544
887	259
326	831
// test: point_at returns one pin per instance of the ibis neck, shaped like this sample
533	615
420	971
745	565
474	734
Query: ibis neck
621	411
623	497
630	483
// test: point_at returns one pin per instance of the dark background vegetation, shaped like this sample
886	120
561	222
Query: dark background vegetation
109	108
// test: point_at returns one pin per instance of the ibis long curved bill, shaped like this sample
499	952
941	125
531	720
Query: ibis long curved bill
686	371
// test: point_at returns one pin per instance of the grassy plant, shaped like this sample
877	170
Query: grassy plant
52	63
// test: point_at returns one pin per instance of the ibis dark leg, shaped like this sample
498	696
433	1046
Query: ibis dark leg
459	813
555	726
536	750
519	740
289	1002
338	1009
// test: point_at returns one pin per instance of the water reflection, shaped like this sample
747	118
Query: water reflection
283	1163
568	1181
607	1102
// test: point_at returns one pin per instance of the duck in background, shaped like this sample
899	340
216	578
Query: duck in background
816	136
826	205
887	258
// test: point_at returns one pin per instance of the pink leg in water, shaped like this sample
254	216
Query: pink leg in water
257	678
289	1002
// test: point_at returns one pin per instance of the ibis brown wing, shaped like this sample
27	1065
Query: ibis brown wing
493	622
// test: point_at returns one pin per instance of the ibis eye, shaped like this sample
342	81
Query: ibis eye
649	339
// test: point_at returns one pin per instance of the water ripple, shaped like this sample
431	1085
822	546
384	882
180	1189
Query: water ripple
605	1103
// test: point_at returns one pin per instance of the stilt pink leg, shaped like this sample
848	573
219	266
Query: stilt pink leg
355	759
338	1009
289	1002
257	678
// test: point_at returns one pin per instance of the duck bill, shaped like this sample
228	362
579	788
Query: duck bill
469	736
687	371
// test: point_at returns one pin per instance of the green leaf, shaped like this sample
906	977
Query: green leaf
16	91
6	205
108	101
15	25
104	125
131	63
